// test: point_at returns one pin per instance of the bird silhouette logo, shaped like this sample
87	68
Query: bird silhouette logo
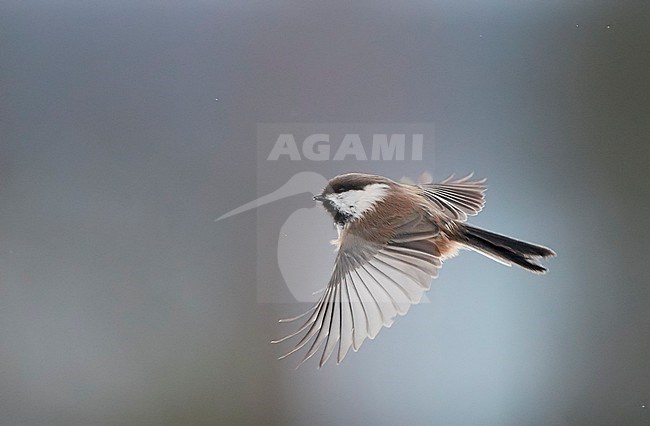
301	236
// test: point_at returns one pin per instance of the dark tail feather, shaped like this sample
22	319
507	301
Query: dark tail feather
505	249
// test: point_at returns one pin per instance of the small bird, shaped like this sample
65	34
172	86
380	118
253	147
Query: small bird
392	239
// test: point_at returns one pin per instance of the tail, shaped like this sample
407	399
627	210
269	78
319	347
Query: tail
504	249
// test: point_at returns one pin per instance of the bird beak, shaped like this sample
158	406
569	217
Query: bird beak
319	197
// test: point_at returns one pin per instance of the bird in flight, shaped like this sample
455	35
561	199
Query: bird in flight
392	239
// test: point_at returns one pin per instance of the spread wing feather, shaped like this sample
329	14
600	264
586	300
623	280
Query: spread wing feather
370	286
456	198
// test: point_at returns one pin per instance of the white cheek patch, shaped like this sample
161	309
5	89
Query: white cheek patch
356	202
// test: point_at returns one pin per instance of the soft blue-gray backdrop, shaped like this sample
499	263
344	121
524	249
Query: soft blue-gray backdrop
121	301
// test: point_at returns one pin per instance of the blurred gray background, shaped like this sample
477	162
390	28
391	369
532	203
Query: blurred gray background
121	301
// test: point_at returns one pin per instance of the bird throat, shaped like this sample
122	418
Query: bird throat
340	217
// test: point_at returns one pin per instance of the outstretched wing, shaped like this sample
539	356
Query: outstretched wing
371	284
456	198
